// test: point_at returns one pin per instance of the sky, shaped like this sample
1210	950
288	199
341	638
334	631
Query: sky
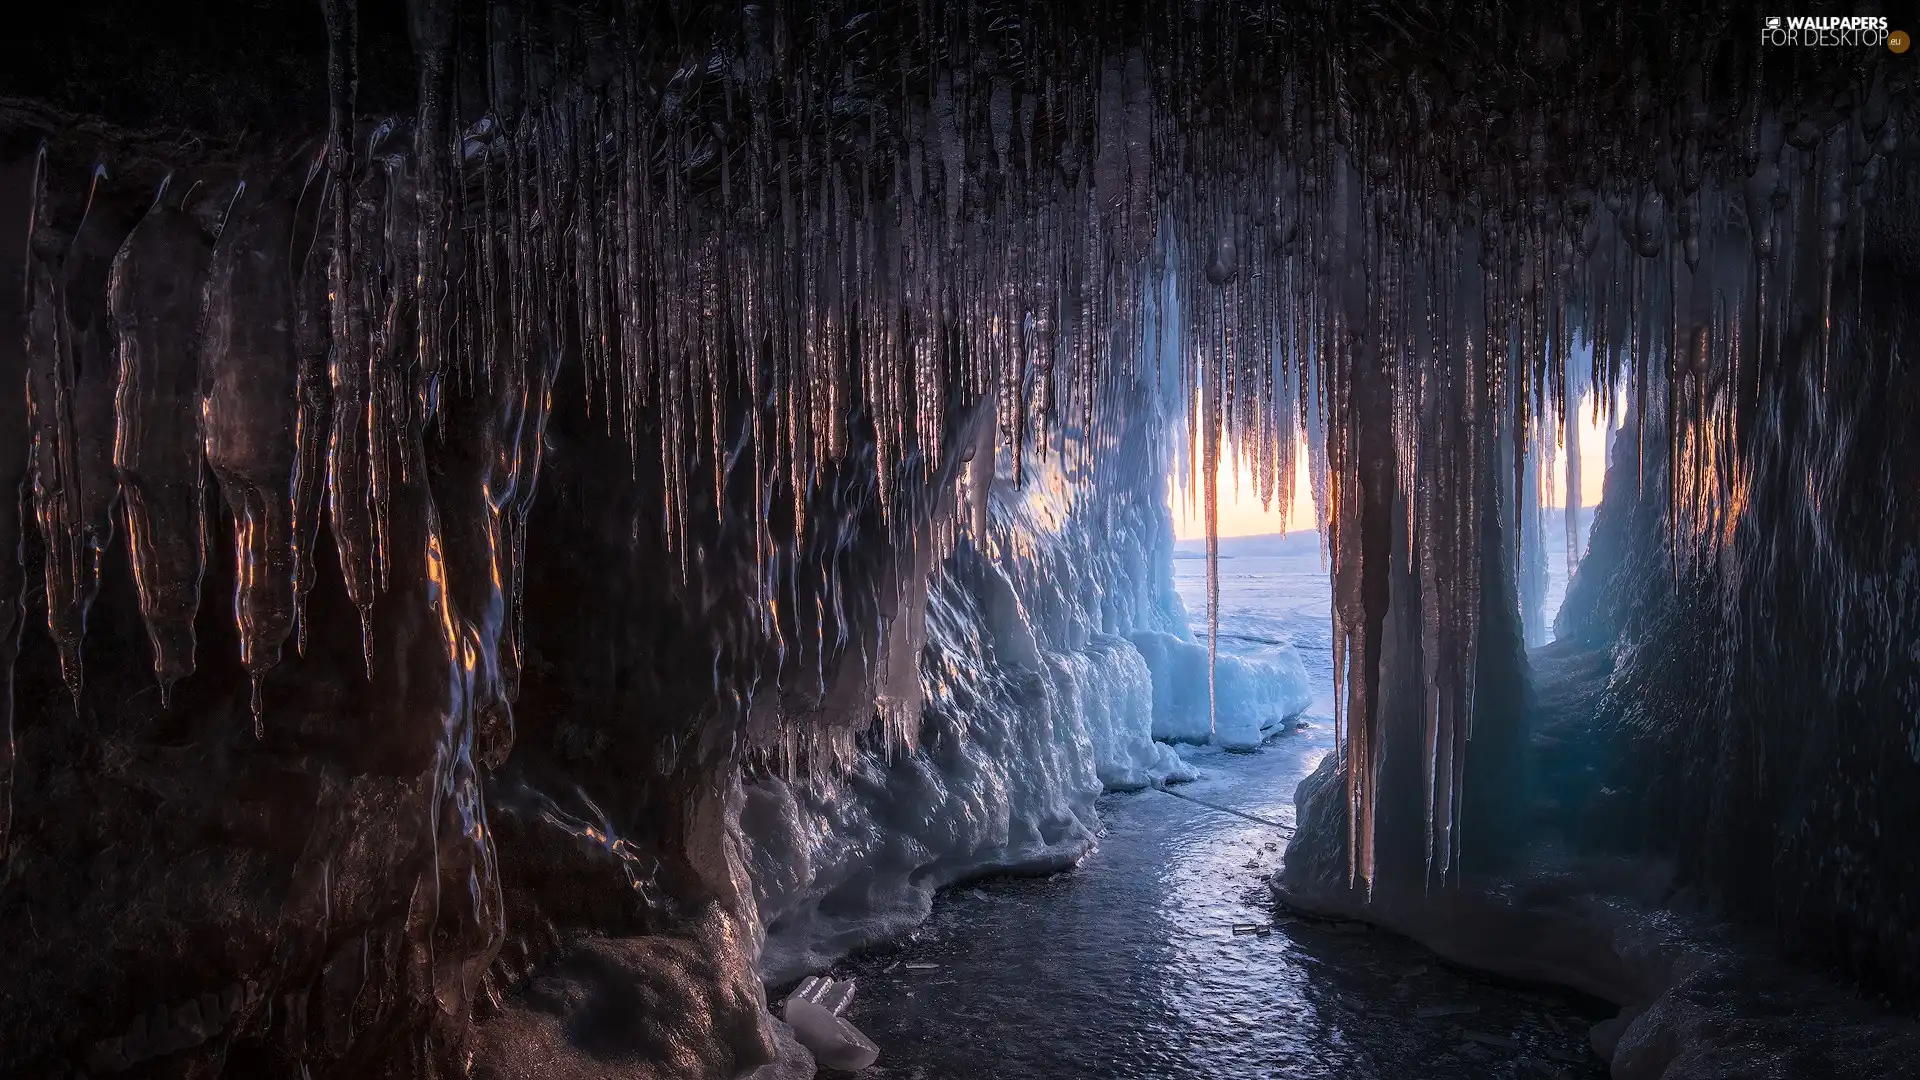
1242	515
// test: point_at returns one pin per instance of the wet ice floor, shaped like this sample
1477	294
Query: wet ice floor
1128	966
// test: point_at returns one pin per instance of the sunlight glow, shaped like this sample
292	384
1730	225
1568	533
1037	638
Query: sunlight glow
1242	515
1240	511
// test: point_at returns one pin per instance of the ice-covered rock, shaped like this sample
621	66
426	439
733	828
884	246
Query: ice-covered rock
792	1061
1033	702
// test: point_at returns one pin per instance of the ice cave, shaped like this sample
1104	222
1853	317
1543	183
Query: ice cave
657	539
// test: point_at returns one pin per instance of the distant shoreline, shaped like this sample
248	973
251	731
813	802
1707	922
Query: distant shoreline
1246	547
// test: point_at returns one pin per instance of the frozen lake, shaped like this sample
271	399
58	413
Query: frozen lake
1129	965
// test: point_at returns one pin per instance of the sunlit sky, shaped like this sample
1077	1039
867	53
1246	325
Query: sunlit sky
1242	515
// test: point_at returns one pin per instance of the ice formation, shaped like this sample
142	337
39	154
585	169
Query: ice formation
1029	713
1003	778
569	423
1110	685
1234	701
815	1010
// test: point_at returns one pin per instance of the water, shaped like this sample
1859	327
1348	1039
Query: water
1129	965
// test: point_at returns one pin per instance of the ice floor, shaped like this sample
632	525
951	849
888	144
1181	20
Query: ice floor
1129	966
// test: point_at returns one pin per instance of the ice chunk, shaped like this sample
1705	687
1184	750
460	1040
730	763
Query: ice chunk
1256	690
835	996
813	1010
1109	688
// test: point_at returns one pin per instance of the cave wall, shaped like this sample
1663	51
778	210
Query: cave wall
389	844
1759	725
561	768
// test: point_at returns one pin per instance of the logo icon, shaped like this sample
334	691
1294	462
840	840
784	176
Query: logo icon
1829	31
1898	41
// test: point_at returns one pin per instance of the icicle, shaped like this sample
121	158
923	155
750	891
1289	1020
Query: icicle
71	383
154	298
1211	472
250	406
19	207
347	449
1574	481
312	336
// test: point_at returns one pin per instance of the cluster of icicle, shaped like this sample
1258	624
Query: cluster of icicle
1424	284
853	220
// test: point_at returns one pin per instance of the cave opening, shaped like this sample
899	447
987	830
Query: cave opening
549	533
